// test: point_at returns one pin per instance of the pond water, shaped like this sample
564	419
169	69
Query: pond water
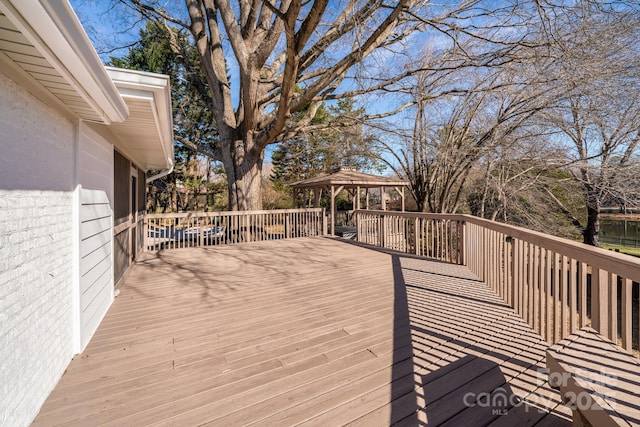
620	232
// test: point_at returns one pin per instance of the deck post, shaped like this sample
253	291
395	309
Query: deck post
462	244
145	235
324	222
416	234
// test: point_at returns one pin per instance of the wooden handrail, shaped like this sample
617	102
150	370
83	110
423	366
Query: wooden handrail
626	265
555	284
439	237
230	213
196	229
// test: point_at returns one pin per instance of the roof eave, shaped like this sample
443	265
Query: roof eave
132	83
55	31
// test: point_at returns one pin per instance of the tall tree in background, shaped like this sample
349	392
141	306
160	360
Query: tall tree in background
518	184
598	110
334	138
291	56
450	136
155	52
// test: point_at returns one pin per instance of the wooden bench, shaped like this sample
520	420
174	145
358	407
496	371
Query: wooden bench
597	379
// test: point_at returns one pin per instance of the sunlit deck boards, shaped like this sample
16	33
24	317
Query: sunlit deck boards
310	331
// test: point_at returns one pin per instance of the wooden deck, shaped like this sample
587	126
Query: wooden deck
311	331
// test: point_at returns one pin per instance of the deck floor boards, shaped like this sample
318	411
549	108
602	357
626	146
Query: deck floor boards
311	331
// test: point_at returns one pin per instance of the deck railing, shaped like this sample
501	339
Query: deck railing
433	236
196	229
555	284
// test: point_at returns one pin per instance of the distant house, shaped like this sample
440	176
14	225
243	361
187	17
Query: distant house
77	140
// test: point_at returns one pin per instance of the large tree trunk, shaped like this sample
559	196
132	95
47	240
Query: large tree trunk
592	229
420	196
244	177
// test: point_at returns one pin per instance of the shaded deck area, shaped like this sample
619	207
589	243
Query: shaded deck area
310	331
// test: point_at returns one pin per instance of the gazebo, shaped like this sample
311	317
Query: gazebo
346	179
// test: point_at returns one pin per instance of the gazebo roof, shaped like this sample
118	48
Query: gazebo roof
350	178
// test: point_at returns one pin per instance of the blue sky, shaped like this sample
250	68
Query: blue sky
108	31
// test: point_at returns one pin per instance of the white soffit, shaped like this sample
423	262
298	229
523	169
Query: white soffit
47	42
147	134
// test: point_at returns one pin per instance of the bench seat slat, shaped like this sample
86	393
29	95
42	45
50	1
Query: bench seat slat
598	379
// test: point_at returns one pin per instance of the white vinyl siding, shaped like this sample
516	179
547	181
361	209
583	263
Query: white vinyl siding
96	275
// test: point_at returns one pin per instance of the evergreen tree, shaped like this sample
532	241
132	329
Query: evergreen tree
322	151
193	129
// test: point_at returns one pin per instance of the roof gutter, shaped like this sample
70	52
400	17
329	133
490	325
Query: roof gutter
163	173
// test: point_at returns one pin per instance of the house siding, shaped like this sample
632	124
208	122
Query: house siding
95	175
96	274
95	160
37	177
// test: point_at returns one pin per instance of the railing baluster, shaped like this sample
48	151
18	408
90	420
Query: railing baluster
507	270
583	295
495	282
515	295
626	318
544	320
555	289
573	295
550	334
500	255
564	283
535	294
524	271
599	305
613	307
528	273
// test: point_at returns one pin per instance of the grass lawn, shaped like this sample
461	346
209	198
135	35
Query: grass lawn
622	249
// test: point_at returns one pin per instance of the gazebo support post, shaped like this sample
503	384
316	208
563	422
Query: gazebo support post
345	179
401	191
333	210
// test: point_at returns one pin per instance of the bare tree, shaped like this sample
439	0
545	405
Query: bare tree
451	135
292	55
597	114
520	184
